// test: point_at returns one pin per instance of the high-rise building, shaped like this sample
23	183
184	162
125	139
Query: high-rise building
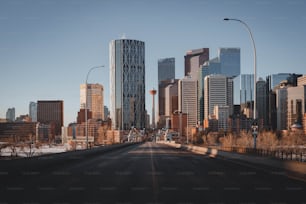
187	99
166	69
95	99
226	63
33	111
193	60
166	76
261	101
171	99
10	114
222	115
247	94
218	91
281	107
127	84
51	112
296	105
230	61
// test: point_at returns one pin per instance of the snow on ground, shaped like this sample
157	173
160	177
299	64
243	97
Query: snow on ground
26	151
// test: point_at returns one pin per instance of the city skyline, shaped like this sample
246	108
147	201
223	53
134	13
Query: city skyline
47	47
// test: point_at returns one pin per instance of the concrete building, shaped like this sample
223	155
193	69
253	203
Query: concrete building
127	84
222	115
187	99
95	99
193	60
171	98
218	91
296	105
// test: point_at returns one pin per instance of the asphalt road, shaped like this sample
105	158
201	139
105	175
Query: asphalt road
147	173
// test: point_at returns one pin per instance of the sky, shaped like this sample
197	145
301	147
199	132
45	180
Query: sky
48	46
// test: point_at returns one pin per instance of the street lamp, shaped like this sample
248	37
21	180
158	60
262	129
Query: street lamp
86	108
255	78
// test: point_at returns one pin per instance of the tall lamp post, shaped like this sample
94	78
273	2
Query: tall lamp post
86	108
255	77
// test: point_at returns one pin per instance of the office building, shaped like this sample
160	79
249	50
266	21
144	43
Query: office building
187	99
95	99
226	63
218	91
193	60
10	114
261	101
171	98
281	107
247	94
51	112
166	75
127	84
296	105
166	69
230	61
33	111
222	115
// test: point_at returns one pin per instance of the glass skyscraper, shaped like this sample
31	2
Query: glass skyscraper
166	69
127	84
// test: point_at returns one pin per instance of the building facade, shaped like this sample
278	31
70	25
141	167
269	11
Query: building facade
296	105
247	94
51	112
95	99
10	114
193	60
187	99
33	111
127	84
218	91
166	69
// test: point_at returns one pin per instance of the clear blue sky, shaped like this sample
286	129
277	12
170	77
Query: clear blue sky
47	46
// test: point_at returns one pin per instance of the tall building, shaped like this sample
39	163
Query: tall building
33	111
10	114
162	100
247	94
226	63
261	101
166	69
193	60
230	61
296	105
187	99
171	99
166	76
218	91
51	112
95	99
127	84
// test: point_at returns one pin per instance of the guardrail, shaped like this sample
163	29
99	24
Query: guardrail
283	154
